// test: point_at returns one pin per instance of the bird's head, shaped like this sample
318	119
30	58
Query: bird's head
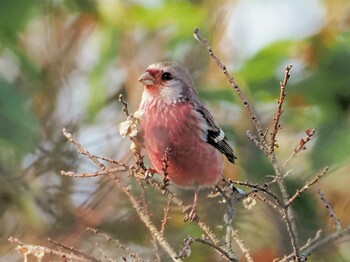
168	81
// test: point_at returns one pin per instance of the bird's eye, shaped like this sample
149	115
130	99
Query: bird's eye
167	76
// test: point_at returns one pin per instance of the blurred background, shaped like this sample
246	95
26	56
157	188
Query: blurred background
63	63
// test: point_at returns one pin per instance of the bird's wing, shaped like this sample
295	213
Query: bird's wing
212	133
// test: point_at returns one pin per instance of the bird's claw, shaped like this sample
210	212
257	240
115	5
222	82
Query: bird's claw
191	213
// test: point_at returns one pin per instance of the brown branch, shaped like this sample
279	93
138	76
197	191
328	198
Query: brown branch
40	251
82	150
146	220
166	159
165	217
117	243
217	247
301	146
125	105
263	199
331	212
307	185
94	174
241	246
336	235
276	120
260	188
72	249
185	251
233	83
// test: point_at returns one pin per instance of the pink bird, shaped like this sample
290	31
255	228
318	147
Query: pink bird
174	120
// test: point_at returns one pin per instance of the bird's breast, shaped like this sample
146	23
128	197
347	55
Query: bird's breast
193	162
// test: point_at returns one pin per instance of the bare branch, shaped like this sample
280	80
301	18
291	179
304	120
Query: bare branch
217	247
301	146
336	235
125	105
146	220
72	249
165	217
40	251
276	120
331	212
244	100
82	150
307	185
241	246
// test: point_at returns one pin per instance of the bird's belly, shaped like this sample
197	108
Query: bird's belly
192	162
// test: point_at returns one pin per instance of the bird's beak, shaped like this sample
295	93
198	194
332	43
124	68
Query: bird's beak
147	79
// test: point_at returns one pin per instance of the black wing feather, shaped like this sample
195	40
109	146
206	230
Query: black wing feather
213	135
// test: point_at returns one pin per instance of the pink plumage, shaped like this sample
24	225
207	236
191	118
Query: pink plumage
172	117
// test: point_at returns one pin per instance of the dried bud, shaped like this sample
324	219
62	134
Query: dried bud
249	202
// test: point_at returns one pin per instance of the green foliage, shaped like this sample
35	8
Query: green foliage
10	22
19	127
177	16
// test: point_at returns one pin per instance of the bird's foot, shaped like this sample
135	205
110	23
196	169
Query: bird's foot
191	213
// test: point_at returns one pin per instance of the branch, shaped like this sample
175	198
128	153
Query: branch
146	220
72	249
241	246
331	212
125	105
244	100
336	235
215	246
40	251
276	120
307	185
301	146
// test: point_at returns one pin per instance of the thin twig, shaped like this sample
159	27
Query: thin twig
336	235
166	159
185	251
72	249
125	105
217	247
307	185
82	150
165	217
40	251
260	188
146	220
94	174
241	246
276	120
331	212
233	83
309	133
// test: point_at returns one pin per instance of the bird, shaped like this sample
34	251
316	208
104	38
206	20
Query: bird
175	123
